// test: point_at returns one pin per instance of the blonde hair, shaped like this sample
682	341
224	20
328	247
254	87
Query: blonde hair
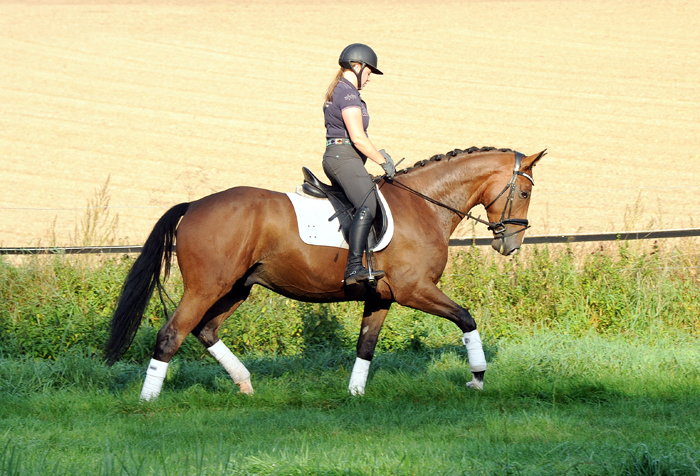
334	83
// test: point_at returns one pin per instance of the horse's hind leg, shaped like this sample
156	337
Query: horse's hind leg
207	331
372	320
186	316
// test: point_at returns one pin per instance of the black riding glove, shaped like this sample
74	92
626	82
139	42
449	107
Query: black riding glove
388	166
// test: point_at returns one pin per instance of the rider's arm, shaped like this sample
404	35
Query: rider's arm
352	117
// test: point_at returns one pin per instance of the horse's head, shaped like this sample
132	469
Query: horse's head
507	206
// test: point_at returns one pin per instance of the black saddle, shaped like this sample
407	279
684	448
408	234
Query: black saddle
344	210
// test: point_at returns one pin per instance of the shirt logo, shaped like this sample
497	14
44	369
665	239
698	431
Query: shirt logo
350	97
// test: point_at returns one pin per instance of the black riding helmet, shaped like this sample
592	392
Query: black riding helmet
359	53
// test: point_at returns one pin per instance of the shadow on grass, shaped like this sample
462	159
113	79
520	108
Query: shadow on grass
532	372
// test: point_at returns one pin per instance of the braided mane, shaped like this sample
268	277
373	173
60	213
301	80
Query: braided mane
449	155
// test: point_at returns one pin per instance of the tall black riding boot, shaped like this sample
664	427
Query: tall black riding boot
357	241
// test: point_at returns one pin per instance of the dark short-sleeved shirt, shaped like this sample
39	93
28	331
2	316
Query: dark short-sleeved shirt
345	95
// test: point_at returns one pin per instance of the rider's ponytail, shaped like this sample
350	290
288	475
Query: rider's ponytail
334	83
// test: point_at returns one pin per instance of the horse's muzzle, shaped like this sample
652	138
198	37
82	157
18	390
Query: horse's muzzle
505	246
508	242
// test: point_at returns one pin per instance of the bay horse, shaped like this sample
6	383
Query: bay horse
231	240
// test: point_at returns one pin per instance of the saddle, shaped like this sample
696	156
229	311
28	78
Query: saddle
344	210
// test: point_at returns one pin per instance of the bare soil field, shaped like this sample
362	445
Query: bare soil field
174	100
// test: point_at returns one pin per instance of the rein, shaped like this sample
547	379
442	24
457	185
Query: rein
497	228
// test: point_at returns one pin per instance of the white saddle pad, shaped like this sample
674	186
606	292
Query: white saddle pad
315	229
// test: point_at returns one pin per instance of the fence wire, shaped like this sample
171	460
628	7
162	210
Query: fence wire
476	241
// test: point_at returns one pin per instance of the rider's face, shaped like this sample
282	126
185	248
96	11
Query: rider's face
365	77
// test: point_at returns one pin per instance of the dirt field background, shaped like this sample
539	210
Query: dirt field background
173	100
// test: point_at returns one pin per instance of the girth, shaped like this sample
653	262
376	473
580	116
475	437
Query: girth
344	210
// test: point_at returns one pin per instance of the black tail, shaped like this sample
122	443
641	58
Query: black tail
142	280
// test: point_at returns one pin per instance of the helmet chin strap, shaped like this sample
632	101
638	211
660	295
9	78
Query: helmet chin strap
359	76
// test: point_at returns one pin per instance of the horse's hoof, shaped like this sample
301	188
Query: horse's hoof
477	383
357	391
246	387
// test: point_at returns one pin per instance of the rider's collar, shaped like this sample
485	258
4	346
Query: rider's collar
346	81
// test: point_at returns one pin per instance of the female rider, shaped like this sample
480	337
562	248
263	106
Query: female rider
348	147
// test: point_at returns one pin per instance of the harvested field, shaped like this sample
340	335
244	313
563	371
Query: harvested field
173	100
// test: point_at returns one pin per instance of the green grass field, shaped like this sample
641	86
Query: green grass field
552	405
594	368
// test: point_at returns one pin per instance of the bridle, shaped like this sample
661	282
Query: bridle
498	228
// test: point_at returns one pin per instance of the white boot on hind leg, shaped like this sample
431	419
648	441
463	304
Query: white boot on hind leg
155	374
233	366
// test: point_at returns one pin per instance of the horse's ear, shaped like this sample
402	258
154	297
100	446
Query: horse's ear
530	161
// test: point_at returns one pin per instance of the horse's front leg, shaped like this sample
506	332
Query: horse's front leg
372	320
428	298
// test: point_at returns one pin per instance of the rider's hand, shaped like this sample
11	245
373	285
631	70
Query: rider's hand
388	166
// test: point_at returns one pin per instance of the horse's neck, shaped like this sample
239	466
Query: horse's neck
458	183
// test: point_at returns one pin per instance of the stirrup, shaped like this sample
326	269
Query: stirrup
363	274
374	275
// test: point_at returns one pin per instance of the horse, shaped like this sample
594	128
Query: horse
229	241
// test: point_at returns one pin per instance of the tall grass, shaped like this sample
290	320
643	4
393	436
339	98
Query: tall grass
58	305
54	305
611	289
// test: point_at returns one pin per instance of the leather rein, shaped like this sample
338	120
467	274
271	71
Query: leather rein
497	228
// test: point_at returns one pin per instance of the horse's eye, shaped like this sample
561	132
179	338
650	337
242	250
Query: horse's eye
524	195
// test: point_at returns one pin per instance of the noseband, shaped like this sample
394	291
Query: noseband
498	228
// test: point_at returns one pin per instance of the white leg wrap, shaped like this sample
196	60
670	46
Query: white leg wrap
358	379
477	359
233	366
154	379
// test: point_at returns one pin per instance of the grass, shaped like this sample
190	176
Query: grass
593	370
553	404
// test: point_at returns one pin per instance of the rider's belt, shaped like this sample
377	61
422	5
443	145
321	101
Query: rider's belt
330	142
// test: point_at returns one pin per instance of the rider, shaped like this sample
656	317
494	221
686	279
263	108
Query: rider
348	147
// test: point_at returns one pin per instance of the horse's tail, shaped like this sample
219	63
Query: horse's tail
142	280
